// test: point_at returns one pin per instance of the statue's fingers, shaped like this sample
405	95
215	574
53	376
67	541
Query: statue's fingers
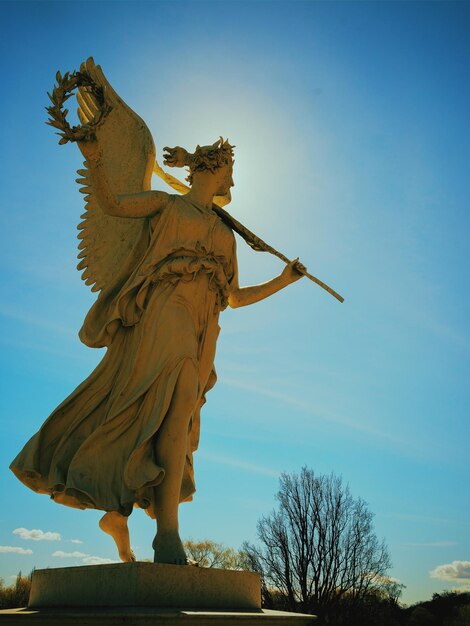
84	107
83	119
90	101
100	78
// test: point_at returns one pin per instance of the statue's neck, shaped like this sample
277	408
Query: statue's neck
201	194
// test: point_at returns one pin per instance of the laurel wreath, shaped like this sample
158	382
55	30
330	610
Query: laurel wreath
66	85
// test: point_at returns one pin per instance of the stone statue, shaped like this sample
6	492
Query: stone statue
165	266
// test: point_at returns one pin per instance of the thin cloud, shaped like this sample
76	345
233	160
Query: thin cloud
39	347
97	560
68	555
15	550
250	467
37	535
87	559
457	570
36	320
307	408
383	580
75	541
428	519
442	329
431	544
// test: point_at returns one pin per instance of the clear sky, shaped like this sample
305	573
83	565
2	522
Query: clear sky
350	121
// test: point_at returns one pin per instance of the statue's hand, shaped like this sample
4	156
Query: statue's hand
293	271
90	150
175	157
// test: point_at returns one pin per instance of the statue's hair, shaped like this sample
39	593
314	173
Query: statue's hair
210	158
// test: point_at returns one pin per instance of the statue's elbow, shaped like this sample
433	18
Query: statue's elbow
234	301
114	209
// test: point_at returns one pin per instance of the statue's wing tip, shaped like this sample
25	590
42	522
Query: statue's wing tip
88	66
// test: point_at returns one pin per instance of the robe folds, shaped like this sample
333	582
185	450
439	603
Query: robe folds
97	449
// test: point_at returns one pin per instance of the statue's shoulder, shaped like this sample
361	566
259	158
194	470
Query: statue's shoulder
226	227
176	202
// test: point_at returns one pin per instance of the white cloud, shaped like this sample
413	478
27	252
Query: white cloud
382	580
37	535
457	570
15	549
75	541
87	559
97	560
68	555
388	579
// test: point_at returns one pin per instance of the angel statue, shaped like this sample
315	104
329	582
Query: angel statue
165	266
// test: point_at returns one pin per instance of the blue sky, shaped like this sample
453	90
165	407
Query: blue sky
350	121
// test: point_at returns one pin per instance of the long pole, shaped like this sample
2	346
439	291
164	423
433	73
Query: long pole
259	245
251	239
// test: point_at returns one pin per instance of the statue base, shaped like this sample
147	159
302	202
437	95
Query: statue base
136	616
145	584
138	594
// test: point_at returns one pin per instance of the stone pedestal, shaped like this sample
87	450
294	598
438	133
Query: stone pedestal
136	616
145	584
138	594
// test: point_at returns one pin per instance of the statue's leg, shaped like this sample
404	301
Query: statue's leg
170	453
115	524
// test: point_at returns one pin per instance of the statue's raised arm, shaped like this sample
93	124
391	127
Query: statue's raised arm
128	154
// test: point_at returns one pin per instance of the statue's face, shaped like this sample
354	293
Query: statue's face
224	176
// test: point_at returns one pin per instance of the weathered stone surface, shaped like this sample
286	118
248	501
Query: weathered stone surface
145	584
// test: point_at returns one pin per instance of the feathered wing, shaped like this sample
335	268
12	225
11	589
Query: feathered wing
108	243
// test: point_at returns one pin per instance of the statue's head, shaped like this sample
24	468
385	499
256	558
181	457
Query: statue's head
214	162
211	158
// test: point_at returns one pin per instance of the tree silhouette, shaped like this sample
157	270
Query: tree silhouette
318	548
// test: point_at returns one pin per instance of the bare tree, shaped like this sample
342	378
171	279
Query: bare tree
318	546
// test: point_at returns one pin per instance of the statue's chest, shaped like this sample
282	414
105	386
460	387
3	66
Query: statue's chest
186	227
196	228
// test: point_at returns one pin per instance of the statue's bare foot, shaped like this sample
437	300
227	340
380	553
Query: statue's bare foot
168	548
115	524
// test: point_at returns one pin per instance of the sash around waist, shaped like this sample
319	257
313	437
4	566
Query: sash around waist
127	307
186	267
